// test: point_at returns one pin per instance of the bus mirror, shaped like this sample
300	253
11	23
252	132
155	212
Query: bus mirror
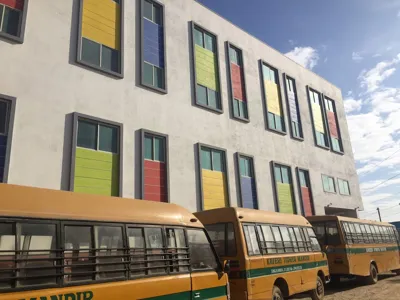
227	266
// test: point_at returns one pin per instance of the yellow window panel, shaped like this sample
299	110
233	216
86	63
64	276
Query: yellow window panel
285	198
272	96
318	122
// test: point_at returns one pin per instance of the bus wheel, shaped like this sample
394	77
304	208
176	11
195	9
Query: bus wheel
277	293
319	292
373	275
397	271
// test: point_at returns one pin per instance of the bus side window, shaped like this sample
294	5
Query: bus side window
278	239
347	233
371	233
137	250
155	250
358	233
314	242
332	234
294	240
353	233
287	243
320	232
378	236
7	254
364	234
307	240
300	239
251	239
217	236
178	250
383	234
270	244
201	254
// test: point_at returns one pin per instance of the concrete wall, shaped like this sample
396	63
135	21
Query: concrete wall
49	86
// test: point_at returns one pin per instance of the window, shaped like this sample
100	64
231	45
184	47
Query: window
287	241
178	253
248	189
251	240
154	245
5	109
272	98
202	256
97	148
101	48
206	66
153	46
328	183
321	137
267	239
237	81
293	104
12	19
284	193
343	187
327	233
222	236
137	246
314	242
154	167
212	159
278	239
331	116
305	192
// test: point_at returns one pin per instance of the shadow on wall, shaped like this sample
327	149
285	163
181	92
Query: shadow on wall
138	164
197	178
66	156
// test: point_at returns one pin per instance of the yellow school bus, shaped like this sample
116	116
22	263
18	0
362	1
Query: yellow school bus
58	245
357	247
272	255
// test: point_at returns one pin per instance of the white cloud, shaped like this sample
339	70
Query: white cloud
292	42
305	56
377	55
356	56
351	105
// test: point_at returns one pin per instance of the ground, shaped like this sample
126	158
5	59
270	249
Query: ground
387	288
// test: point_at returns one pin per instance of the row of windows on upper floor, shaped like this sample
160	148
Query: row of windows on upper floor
100	46
96	167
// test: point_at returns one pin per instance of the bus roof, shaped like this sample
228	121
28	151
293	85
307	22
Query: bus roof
249	215
348	219
29	202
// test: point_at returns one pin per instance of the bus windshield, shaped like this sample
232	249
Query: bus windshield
327	233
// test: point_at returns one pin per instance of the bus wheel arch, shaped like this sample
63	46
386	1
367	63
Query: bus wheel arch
321	275
283	286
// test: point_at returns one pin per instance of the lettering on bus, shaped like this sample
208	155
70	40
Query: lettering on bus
274	261
286	269
382	249
287	260
70	296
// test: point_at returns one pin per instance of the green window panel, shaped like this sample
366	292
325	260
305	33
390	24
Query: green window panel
285	198
154	148
328	183
212	159
245	166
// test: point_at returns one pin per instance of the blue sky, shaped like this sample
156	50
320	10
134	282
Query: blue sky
355	45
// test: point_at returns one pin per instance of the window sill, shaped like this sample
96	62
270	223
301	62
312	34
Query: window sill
330	192
209	108
281	132
297	138
345	195
322	147
13	38
244	120
153	88
337	152
104	71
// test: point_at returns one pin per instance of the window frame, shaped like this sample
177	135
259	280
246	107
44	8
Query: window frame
275	185
263	63
341	152
78	116
21	37
298	170
200	177
348	186
10	120
251	158
323	113
90	66
334	184
228	46
142	82
165	137
301	131
193	26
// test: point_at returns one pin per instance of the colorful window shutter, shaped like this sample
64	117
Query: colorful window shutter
306	195
293	107
153	48
16	4
101	34
336	142
272	98
247	182
11	14
97	158
239	101
4	117
318	118
214	180
155	168
284	192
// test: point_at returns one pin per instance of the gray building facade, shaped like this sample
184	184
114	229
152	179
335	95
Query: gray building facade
158	115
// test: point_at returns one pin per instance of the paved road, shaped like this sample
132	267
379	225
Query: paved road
388	288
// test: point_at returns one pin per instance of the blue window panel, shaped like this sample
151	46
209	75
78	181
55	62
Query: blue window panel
3	145
153	43
249	193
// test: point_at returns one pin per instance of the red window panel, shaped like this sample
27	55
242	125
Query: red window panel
237	82
307	203
332	124
154	181
16	4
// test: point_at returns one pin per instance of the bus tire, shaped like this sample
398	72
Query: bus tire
397	272
373	275
319	292
277	293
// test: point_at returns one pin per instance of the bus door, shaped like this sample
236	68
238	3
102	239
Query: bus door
207	277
